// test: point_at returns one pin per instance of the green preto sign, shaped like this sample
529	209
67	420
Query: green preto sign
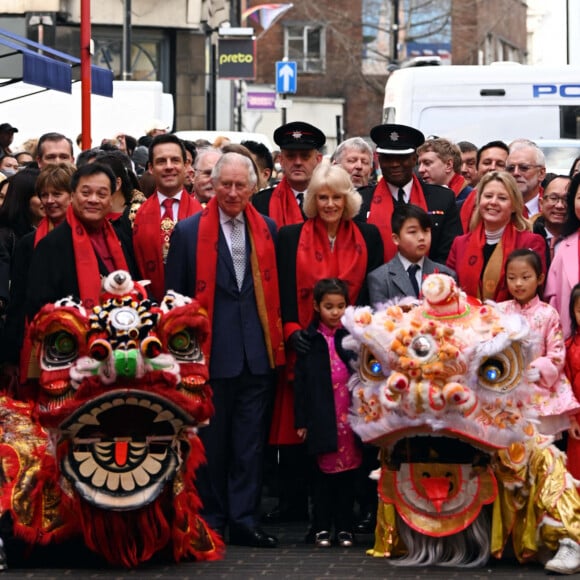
236	58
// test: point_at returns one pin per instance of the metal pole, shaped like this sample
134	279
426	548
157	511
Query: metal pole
567	32
395	31
213	88
239	107
126	72
86	73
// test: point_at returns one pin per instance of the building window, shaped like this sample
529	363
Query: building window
305	44
149	54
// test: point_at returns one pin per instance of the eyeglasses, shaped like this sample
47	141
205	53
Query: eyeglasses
554	199
523	167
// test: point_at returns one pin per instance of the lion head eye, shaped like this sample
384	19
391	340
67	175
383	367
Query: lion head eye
375	367
501	371
59	349
371	368
184	346
492	371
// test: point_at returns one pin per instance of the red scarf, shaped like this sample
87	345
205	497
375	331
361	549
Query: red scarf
457	183
470	267
146	239
467	209
315	260
43	228
264	273
87	266
382	206
284	209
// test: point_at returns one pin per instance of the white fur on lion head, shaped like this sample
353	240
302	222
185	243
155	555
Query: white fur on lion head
447	364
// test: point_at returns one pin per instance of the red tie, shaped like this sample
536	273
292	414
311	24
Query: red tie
166	226
168	207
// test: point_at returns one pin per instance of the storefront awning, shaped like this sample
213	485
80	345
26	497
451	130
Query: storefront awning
51	69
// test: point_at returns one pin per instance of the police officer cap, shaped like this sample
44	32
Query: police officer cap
395	139
299	135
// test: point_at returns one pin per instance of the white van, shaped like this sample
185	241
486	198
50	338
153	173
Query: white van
482	103
134	105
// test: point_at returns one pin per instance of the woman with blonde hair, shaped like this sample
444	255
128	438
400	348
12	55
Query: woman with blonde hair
329	244
497	227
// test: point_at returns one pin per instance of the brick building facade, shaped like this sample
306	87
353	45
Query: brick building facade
485	31
334	29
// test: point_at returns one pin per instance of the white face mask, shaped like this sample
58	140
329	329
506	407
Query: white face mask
8	171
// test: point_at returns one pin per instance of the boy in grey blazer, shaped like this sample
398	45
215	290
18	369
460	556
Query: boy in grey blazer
403	275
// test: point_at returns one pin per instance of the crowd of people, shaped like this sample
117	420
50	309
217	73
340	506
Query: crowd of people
275	251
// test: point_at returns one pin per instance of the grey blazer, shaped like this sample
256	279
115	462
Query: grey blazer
391	279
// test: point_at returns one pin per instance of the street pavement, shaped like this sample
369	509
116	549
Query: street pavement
292	559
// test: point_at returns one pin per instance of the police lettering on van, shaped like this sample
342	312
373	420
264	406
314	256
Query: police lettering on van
565	91
482	103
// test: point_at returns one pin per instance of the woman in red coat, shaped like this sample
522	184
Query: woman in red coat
497	228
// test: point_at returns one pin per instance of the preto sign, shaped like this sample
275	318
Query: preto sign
236	58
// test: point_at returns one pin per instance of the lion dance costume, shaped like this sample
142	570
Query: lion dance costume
107	450
443	389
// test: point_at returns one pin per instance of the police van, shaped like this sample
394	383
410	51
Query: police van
482	103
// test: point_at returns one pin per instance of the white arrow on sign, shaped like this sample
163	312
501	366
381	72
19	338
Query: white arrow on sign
286	72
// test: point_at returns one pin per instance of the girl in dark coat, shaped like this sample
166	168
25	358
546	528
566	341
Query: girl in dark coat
322	402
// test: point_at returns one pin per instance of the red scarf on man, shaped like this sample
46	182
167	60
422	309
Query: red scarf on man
87	266
315	260
457	184
382	206
146	239
283	208
264	273
470	269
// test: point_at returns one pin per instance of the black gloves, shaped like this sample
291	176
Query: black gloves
300	342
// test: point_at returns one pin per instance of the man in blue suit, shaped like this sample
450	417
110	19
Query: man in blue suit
225	256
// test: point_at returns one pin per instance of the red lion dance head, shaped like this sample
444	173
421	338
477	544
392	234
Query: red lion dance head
111	443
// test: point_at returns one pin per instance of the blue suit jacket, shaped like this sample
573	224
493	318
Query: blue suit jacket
237	336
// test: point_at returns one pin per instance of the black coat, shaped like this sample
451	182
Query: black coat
53	275
539	227
313	394
261	200
288	238
442	209
14	328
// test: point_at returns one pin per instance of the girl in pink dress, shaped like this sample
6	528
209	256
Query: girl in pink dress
573	374
552	396
322	402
